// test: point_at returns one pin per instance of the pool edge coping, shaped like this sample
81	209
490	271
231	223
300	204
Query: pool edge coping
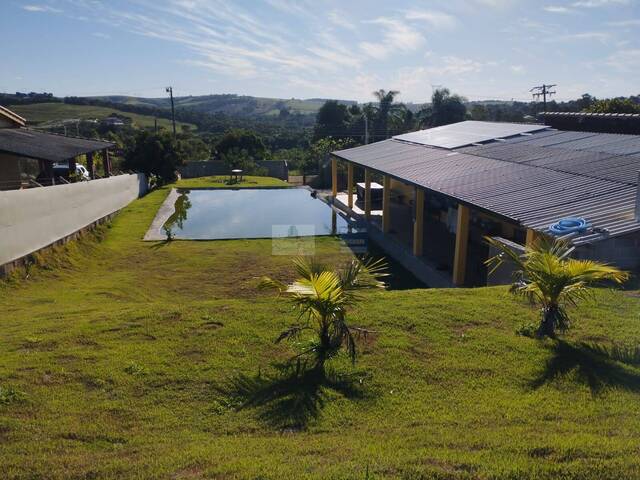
154	233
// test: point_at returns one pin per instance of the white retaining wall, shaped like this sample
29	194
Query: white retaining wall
38	217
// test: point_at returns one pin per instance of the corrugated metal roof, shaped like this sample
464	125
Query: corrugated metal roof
46	146
534	179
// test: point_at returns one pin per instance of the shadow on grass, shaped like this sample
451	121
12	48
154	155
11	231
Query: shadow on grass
294	395
160	244
594	365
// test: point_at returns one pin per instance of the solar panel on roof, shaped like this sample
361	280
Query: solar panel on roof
466	133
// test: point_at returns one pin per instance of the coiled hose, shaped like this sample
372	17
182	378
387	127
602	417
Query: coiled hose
569	225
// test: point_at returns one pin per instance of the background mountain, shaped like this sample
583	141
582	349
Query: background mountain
229	104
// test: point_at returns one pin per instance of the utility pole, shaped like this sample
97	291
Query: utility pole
173	112
542	91
366	129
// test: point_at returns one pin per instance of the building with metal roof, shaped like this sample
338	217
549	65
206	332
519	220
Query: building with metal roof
27	157
500	179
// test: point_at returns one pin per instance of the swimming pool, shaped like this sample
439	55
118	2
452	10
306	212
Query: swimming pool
250	213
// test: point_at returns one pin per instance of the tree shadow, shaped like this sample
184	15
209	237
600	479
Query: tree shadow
593	365
294	395
160	244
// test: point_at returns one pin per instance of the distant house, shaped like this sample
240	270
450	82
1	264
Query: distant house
27	156
446	188
113	122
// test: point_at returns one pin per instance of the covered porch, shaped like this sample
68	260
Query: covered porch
30	158
439	239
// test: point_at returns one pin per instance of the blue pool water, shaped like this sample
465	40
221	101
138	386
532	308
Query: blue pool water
252	213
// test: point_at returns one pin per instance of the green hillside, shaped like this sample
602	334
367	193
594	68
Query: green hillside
229	104
132	359
51	112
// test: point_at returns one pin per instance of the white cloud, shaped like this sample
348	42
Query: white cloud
40	8
339	19
557	9
452	65
496	3
433	18
517	69
633	22
599	3
580	37
101	35
625	60
397	36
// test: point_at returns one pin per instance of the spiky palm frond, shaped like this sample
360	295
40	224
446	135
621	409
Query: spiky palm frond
547	276
321	296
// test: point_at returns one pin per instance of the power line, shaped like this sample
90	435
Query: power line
543	91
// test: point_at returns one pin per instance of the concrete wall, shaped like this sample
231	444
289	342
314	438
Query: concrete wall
503	275
275	168
622	251
35	218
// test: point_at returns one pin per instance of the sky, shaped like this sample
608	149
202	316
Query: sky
482	49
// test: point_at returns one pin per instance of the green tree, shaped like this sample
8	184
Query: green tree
322	297
614	105
546	276
479	112
192	148
240	139
386	109
236	158
444	109
332	120
320	150
154	153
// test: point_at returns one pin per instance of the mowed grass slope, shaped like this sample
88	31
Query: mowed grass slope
123	361
51	112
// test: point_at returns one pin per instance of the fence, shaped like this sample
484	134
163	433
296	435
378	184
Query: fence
38	217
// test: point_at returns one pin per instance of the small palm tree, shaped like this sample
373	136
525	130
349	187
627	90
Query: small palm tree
546	276
322	297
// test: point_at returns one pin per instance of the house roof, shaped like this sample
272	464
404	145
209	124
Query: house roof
12	117
628	123
47	146
533	179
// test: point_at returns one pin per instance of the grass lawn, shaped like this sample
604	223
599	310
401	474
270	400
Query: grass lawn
47	112
130	359
220	181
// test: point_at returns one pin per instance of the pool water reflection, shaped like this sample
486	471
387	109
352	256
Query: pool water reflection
251	213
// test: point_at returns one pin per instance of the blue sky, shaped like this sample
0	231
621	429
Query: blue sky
314	48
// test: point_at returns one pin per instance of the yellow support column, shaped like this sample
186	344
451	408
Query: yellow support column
367	193
532	237
418	223
350	184
462	241
334	176
386	206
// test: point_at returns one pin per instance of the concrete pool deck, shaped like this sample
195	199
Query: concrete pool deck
155	232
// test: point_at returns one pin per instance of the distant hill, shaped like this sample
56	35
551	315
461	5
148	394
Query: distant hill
42	113
230	104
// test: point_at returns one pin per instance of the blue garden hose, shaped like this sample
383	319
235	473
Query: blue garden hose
569	225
